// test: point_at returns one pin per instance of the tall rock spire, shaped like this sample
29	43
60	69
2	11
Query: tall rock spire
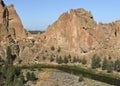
2	4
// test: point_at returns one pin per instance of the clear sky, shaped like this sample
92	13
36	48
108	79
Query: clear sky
38	14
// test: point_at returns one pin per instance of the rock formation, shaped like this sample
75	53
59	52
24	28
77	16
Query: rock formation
10	22
11	29
76	31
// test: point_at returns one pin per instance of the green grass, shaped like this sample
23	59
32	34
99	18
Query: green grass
77	70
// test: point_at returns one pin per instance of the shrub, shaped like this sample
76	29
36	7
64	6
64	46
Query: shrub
52	48
80	78
44	58
84	61
59	49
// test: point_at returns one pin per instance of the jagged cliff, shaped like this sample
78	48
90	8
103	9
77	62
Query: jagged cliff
10	22
11	30
76	31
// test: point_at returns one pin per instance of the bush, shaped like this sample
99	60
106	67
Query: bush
80	78
52	48
84	61
44	58
59	49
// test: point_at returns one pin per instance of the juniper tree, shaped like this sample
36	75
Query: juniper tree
95	61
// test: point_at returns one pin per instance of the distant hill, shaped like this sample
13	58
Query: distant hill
35	31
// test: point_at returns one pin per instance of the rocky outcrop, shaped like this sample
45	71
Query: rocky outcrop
15	25
10	22
71	31
11	29
76	31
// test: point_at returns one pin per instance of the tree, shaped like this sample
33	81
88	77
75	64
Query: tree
9	56
51	58
109	66
74	59
33	77
21	76
95	61
59	49
59	60
65	60
10	73
117	65
104	64
30	76
69	57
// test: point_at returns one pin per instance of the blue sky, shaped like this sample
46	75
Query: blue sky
38	14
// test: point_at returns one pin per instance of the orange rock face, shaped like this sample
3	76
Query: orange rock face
9	18
77	31
71	31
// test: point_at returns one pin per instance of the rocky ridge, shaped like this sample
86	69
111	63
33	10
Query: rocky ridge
75	33
11	29
10	22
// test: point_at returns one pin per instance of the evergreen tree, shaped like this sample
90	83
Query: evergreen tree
74	59
9	56
51	58
65	60
28	76
59	49
95	61
104	64
59	60
117	65
21	76
69	57
109	66
10	73
33	77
